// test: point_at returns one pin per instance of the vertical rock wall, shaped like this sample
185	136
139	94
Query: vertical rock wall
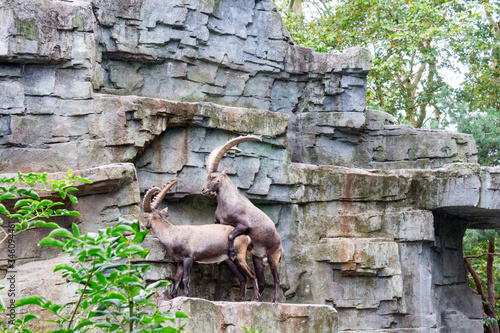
371	213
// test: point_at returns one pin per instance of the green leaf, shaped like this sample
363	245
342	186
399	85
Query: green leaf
71	213
61	232
121	228
71	189
139	236
180	314
49	241
31	300
32	194
65	267
23	202
93	314
127	279
72	198
29	317
113	295
139	299
102	279
85	180
7	195
83	323
46	224
2	304
116	302
158	284
135	248
3	210
76	230
45	203
168	329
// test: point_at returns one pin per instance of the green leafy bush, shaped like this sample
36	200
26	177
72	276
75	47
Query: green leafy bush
29	210
114	295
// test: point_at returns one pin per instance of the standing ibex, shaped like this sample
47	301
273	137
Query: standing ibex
204	244
236	210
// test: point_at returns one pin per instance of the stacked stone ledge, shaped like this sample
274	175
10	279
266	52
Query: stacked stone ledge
159	86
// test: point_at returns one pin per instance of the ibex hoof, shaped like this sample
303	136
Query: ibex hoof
238	299
232	255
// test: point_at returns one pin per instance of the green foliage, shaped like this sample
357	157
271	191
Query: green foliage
475	243
485	127
114	295
418	46
251	330
410	42
488	321
29	209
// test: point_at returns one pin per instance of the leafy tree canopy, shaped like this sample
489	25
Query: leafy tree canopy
435	61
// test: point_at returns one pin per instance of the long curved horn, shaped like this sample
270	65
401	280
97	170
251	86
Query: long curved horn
163	192
216	155
146	203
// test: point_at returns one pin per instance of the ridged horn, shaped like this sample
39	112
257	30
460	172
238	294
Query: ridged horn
216	155
146	203
159	198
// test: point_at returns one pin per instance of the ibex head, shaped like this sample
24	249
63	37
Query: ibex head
152	200
214	177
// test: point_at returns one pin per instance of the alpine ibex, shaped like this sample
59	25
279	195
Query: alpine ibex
236	210
204	244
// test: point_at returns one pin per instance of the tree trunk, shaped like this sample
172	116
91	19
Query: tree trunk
490	283
295	6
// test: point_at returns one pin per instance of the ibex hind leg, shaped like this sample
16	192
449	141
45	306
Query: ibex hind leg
259	272
188	264
274	260
243	267
177	281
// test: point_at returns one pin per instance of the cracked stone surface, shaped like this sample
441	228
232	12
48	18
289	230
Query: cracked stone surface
134	93
268	317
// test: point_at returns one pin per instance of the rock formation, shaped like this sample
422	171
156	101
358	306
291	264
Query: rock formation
136	92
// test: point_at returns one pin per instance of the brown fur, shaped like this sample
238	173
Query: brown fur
236	210
202	243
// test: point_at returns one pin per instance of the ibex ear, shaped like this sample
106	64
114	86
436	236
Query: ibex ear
224	172
164	212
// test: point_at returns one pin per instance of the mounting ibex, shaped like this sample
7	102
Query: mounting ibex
236	210
204	244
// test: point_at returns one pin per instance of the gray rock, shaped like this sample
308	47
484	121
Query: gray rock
371	213
266	316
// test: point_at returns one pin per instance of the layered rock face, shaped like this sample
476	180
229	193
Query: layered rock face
371	213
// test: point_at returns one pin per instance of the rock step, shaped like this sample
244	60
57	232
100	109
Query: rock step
229	317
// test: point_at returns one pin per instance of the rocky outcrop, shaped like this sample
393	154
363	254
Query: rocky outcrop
64	63
233	317
135	93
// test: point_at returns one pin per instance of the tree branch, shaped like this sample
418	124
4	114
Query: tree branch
482	255
490	279
477	280
418	75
